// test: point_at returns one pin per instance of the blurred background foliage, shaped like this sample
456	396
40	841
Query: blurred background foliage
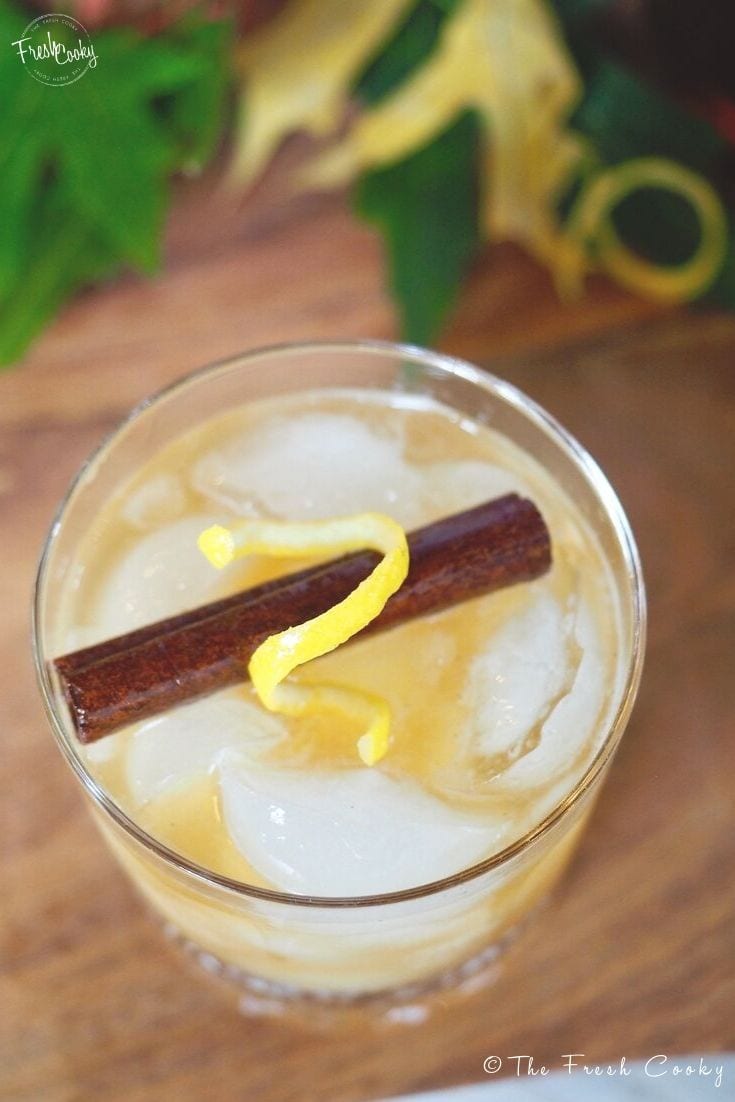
597	134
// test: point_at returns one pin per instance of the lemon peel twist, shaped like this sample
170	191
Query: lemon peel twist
590	223
280	654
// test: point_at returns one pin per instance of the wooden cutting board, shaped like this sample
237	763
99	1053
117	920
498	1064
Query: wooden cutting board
635	954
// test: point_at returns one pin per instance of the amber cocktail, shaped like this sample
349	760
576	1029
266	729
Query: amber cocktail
264	842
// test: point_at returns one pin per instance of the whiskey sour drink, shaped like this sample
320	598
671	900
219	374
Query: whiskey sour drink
294	854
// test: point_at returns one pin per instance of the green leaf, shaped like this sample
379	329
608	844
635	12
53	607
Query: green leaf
659	225
22	153
426	206
577	19
21	174
409	47
626	117
86	166
61	258
196	113
121	187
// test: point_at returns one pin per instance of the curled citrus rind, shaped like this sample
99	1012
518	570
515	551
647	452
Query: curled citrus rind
280	654
591	222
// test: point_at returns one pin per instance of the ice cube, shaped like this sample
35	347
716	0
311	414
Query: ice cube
162	574
571	724
515	681
184	744
310	466
354	832
157	501
452	486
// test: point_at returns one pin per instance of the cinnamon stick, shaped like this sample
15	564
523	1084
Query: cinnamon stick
157	667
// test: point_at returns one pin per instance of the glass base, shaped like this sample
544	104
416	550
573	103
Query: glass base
410	1004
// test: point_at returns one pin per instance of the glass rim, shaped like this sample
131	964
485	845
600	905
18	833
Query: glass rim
450	365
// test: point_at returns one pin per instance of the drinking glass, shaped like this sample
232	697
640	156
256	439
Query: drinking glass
288	953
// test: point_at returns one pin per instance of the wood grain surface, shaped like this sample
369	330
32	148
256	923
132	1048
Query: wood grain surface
634	956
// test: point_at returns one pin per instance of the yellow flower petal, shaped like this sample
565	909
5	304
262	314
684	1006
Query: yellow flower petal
298	69
505	59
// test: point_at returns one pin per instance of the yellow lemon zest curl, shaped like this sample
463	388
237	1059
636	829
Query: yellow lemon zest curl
590	224
281	653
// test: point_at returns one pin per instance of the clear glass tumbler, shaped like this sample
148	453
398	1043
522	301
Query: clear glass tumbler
290	952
